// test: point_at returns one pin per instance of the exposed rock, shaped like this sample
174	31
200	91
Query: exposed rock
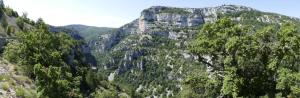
155	46
139	88
111	76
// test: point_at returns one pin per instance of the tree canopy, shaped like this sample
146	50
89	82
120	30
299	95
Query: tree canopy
247	62
44	56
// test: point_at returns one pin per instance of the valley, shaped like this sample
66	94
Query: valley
226	51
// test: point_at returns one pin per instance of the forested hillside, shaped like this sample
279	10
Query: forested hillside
42	64
227	51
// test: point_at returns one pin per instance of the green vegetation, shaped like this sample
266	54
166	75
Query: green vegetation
4	22
43	55
241	58
5	86
175	11
89	33
104	94
10	12
244	60
10	30
25	93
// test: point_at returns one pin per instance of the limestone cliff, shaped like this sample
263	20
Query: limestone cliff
150	53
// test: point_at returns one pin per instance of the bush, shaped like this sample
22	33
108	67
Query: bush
4	21
10	30
25	93
20	92
20	23
5	86
105	94
4	77
10	12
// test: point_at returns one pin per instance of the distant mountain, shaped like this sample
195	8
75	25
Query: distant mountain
89	32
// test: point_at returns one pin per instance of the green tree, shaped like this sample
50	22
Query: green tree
105	94
93	79
10	12
250	63
44	55
200	85
20	23
4	22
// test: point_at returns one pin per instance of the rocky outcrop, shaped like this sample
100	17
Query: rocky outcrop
166	21
153	48
143	48
166	17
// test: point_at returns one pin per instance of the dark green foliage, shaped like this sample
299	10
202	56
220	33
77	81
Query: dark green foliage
10	12
44	55
3	21
20	23
201	86
93	79
89	33
2	15
161	42
250	64
250	15
105	94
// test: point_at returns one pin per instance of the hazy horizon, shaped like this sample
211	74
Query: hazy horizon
115	13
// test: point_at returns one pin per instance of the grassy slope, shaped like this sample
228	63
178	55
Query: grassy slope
13	84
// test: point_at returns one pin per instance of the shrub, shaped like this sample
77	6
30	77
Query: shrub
10	12
4	21
5	86
10	30
105	94
20	23
4	77
20	92
25	93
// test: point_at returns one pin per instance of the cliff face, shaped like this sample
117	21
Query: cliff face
150	54
161	20
160	16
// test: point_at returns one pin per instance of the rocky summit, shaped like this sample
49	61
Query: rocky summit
150	54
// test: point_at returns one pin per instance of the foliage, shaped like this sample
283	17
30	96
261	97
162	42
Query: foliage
20	23
4	22
23	21
89	33
5	86
44	56
175	11
10	12
93	79
25	93
201	86
10	30
266	61
105	94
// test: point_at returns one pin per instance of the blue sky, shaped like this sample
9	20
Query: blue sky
115	13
